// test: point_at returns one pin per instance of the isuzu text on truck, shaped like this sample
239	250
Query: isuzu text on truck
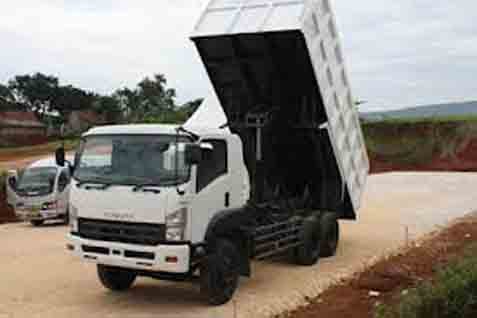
288	162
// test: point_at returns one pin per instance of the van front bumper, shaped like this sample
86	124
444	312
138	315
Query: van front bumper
28	215
161	258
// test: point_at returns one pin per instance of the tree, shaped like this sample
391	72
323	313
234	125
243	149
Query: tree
155	97
36	92
190	107
109	106
7	99
69	98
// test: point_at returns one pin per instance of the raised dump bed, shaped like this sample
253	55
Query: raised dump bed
278	70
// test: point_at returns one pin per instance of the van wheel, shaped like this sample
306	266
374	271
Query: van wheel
330	234
66	218
219	273
114	278
37	222
308	253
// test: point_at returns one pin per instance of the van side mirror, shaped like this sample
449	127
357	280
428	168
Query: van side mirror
193	154
12	179
60	156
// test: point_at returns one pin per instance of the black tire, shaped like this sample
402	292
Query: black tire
114	278
330	234
308	253
37	222
66	218
220	273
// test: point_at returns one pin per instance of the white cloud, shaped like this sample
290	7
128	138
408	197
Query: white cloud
399	53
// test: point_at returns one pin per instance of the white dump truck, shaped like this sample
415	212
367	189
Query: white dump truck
287	162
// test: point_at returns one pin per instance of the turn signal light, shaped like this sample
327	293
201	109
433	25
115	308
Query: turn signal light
171	259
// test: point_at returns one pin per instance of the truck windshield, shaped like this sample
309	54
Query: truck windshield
40	180
156	160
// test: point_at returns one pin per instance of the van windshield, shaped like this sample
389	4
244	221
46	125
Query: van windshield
39	180
155	160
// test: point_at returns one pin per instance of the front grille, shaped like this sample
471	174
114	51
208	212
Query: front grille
123	232
95	249
136	254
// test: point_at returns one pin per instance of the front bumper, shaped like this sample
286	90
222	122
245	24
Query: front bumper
160	258
29	215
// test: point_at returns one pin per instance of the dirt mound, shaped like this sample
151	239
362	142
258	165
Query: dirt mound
385	281
422	146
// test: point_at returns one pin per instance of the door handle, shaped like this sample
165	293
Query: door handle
227	199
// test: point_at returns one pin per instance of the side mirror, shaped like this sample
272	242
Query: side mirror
60	156
12	179
193	154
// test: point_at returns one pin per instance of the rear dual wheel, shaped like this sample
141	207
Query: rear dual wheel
308	253
329	234
320	237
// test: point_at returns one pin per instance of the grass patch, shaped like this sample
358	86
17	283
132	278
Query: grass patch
416	120
452	294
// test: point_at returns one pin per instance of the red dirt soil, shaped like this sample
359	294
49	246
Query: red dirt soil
389	277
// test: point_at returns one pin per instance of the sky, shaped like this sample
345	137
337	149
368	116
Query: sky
398	53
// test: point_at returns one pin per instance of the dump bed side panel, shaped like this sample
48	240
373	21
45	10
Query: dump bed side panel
284	56
319	28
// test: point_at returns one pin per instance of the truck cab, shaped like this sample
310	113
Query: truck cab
143	195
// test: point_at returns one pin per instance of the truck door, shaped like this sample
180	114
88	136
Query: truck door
11	182
63	188
212	188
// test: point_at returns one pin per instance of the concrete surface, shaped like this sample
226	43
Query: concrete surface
39	279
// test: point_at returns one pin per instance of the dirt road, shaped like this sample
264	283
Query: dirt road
39	279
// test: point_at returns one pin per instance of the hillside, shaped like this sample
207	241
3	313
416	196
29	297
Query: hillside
422	146
425	111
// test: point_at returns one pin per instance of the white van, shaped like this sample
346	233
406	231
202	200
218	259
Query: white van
40	193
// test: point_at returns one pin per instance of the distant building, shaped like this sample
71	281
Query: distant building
21	128
80	121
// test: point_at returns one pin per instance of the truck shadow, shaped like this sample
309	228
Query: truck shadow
159	294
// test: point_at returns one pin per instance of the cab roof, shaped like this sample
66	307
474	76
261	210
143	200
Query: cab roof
150	129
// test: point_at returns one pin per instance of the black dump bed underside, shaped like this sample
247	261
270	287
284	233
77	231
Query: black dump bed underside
269	76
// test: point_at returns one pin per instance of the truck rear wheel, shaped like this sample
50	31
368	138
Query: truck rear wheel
36	222
114	278
220	272
308	253
330	234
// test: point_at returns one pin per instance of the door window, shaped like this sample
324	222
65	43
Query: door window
63	180
213	164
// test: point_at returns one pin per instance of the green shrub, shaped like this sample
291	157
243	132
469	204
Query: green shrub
453	294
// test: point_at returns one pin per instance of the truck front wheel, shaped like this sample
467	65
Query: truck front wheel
220	272
114	278
330	234
37	222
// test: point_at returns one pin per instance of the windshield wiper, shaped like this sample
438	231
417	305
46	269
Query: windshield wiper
144	187
103	184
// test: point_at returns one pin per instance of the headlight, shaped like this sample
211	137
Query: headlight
49	205
176	223
73	211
